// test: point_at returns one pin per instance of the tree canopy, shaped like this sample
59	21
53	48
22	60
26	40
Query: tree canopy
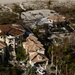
8	18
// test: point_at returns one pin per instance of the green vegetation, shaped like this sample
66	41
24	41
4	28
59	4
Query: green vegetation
64	58
31	71
73	26
8	18
49	3
68	12
20	53
9	70
17	9
63	53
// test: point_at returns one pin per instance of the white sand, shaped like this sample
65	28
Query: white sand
10	1
14	1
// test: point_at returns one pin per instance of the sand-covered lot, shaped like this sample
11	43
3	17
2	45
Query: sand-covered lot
10	1
13	1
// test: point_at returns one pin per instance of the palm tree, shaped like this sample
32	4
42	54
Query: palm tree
17	9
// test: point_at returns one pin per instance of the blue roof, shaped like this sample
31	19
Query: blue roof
29	33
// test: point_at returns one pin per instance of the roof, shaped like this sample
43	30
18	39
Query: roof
4	29
15	32
57	18
33	44
53	17
2	45
32	37
19	27
33	56
32	47
37	57
11	29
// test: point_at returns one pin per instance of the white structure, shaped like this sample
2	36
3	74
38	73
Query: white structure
10	40
36	14
51	19
10	35
22	6
45	21
2	51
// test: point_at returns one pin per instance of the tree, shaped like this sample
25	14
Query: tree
31	71
20	53
49	3
8	18
17	9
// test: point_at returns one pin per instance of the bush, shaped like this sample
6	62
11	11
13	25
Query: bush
20	53
8	18
17	9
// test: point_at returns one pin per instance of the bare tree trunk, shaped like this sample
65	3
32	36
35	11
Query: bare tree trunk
66	69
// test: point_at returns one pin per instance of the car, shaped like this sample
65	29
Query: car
41	71
36	65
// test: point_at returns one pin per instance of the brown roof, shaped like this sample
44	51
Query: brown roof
33	56
37	57
57	18
11	30
62	18
15	32
4	29
19	27
31	46
32	37
2	45
53	17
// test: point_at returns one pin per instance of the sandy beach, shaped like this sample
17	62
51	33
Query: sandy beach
10	1
14	1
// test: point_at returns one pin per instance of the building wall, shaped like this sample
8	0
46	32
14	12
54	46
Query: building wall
32	63
2	51
25	48
42	52
2	38
31	53
10	42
